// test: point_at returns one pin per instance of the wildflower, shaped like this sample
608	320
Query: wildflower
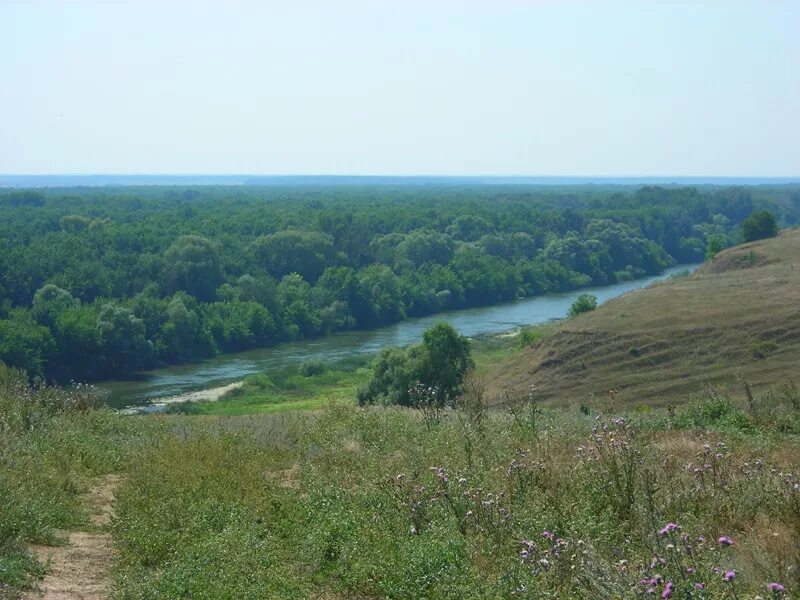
413	530
667	593
699	585
776	588
724	540
690	570
729	575
668	528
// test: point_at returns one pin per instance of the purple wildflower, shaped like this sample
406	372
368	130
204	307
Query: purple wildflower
668	528
699	585
776	588
724	540
667	593
729	575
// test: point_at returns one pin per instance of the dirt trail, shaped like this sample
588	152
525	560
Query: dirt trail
80	569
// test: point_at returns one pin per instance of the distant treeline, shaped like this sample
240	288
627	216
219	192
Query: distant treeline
98	282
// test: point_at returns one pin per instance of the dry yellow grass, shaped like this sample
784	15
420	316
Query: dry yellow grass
737	316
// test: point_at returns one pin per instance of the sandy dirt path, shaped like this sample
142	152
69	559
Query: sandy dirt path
80	569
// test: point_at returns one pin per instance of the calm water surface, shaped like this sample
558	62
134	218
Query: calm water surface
175	380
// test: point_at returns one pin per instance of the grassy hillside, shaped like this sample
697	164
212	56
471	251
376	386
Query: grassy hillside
736	317
379	503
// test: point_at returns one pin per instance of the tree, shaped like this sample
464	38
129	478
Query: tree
439	363
447	358
123	339
24	344
193	265
292	251
759	225
49	302
585	303
715	243
424	246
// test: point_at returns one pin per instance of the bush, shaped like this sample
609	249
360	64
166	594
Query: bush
529	337
311	368
760	350
759	225
585	303
714	411
440	362
259	381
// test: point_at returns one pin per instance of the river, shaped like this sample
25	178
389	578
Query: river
179	380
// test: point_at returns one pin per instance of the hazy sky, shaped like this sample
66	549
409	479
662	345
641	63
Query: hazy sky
403	87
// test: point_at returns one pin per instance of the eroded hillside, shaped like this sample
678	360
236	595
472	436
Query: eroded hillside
736	317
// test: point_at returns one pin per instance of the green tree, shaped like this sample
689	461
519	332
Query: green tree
439	362
584	303
123	340
49	302
715	243
447	358
293	251
24	344
759	225
193	266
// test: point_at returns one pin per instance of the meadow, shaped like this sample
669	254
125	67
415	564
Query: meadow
702	501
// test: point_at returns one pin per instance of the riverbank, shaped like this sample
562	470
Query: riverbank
174	381
289	390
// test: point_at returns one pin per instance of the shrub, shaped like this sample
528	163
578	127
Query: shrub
714	411
760	350
759	225
311	368
529	337
260	382
584	303
439	363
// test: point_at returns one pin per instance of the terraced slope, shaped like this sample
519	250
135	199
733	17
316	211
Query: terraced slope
736	317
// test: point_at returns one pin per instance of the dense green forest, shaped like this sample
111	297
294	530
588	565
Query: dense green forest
99	282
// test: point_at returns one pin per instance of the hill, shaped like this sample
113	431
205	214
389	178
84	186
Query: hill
738	316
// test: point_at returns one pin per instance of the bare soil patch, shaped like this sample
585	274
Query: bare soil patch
80	569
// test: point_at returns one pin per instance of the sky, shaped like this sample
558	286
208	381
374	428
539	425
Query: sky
404	87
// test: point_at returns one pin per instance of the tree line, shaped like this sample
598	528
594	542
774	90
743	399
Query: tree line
99	282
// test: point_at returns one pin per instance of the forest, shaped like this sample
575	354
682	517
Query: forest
101	282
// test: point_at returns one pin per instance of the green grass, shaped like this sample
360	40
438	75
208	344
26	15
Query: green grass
372	503
52	444
350	502
285	390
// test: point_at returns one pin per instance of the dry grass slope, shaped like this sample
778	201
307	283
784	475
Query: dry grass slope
737	316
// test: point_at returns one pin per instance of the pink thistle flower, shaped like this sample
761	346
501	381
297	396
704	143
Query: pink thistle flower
668	528
776	588
729	576
724	540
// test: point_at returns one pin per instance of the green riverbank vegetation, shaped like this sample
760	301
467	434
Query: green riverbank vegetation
96	283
